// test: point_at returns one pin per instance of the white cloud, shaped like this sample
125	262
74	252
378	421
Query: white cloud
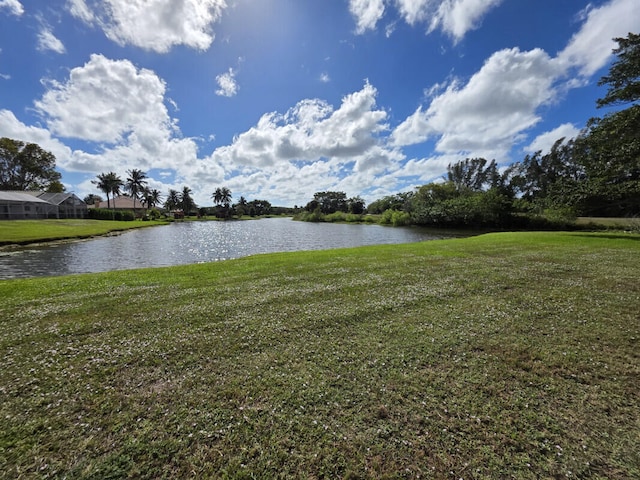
545	141
105	101
495	108
48	41
590	49
366	13
454	17
79	9
325	78
488	114
153	24
227	84
14	7
457	17
310	131
122	109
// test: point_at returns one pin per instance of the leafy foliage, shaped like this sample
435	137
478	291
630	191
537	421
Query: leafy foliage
26	166
624	75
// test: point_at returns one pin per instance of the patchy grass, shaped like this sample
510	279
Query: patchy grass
499	356
30	231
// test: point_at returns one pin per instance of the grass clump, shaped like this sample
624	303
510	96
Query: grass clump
29	231
498	356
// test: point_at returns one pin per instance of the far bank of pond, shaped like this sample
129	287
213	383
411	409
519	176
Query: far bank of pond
197	242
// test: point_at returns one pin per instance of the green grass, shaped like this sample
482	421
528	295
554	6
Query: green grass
28	231
510	355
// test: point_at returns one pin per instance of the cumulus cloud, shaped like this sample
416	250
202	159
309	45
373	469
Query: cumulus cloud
366	13
47	41
122	108
104	101
454	17
457	17
590	48
227	84
488	113
309	131
154	25
14	7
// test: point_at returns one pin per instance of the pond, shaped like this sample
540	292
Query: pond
196	242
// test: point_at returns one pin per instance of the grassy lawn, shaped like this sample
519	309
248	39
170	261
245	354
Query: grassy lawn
498	356
27	231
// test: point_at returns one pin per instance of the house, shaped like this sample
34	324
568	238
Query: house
69	205
122	202
16	205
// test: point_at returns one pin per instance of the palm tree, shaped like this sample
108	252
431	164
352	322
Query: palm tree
135	184
110	184
151	198
241	207
222	196
173	200
186	202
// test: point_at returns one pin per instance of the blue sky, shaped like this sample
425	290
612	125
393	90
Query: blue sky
278	99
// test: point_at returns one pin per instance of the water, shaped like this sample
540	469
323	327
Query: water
196	242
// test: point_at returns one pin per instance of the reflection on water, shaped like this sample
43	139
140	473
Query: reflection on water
195	242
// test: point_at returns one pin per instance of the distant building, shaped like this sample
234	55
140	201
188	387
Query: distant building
69	205
17	205
122	202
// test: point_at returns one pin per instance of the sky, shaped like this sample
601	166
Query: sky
279	99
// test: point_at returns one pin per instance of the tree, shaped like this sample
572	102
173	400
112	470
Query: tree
222	198
471	174
241	206
135	184
356	205
92	199
548	180
26	166
186	202
624	75
56	187
173	200
150	198
609	149
110	184
259	207
328	202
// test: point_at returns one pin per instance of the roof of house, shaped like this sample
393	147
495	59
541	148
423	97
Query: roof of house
57	198
17	196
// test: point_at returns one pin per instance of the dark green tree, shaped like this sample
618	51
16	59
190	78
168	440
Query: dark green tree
474	174
110	184
135	184
259	207
186	201
222	198
173	200
92	199
609	149
624	75
26	166
356	205
328	202
241	207
151	197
